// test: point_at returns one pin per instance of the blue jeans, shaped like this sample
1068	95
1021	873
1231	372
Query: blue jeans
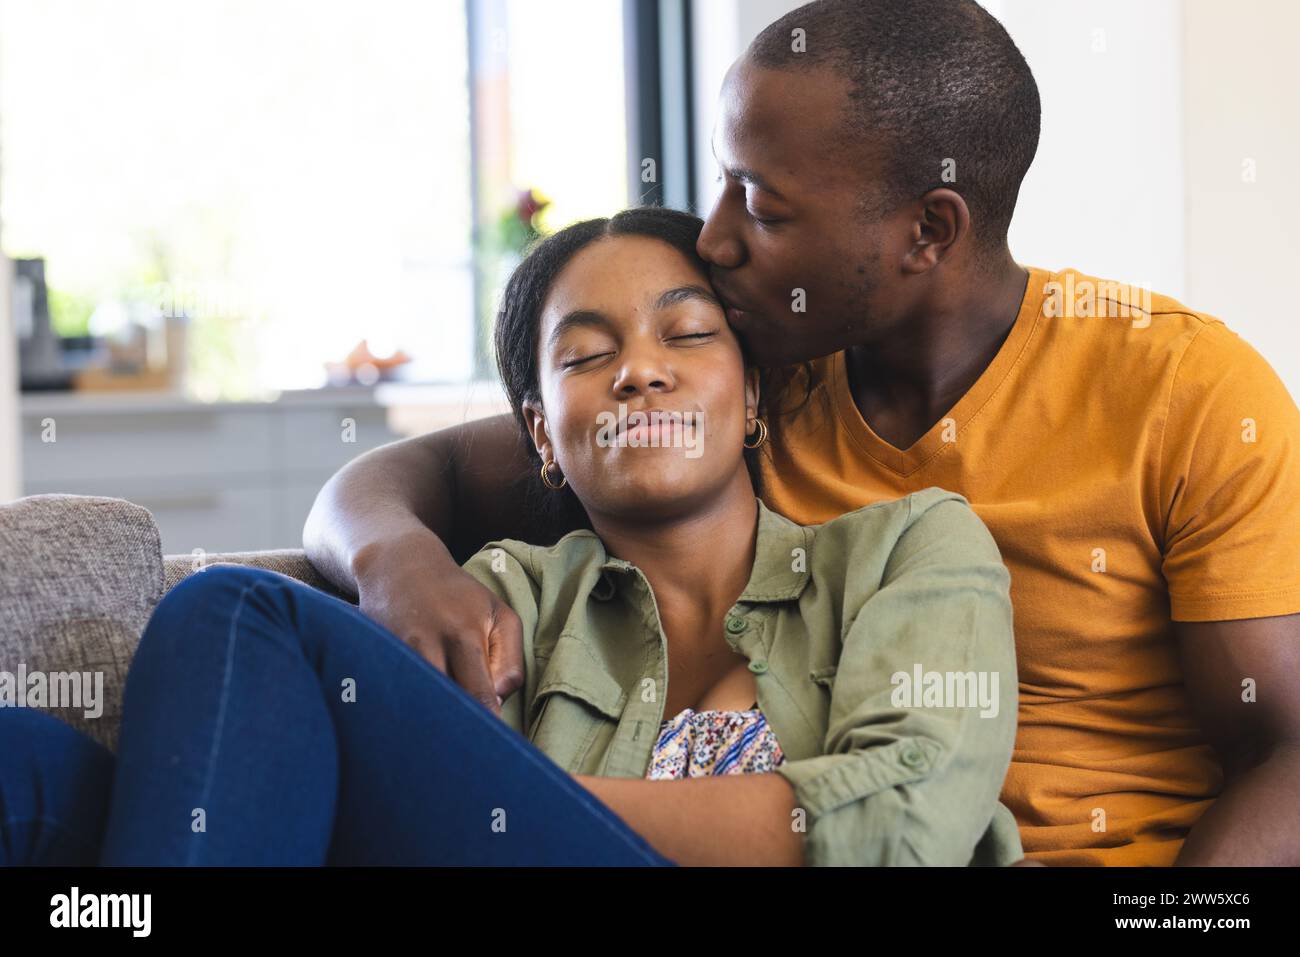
265	722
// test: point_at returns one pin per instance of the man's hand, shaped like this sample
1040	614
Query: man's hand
391	526
415	589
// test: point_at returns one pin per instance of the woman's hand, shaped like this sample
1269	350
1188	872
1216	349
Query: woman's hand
414	588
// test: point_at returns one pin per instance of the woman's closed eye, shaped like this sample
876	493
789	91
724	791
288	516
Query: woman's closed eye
695	335
689	336
571	363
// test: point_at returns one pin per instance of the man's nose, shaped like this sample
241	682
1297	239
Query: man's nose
717	244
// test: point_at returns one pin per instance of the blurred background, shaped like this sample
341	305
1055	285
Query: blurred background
244	241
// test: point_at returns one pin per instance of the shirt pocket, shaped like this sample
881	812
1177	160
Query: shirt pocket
576	700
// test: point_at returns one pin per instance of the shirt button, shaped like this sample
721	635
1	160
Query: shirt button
736	625
758	666
912	756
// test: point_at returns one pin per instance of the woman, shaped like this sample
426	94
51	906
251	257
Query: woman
844	693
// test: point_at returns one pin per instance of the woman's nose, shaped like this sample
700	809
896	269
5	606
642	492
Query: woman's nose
643	372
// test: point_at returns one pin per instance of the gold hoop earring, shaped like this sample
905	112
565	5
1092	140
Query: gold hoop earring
546	478
762	435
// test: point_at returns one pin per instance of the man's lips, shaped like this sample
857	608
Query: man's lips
735	309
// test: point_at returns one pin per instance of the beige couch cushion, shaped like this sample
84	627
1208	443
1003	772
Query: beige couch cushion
81	575
287	561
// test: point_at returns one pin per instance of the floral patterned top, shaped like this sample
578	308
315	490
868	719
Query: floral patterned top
701	743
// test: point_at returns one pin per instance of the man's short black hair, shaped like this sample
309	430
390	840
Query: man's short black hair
930	81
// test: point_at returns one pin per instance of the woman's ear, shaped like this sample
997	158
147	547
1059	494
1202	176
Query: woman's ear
753	383
535	419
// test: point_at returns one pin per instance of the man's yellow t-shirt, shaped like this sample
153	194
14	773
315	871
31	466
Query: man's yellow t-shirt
1137	463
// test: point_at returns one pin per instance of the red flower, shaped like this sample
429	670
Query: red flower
529	205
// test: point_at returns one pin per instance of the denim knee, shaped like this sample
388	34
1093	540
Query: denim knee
55	785
216	586
200	597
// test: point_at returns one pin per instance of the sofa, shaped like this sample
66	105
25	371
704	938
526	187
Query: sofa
80	576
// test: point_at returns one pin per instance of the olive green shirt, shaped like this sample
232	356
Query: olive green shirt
838	622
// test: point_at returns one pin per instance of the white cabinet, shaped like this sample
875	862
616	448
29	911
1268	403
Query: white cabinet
220	476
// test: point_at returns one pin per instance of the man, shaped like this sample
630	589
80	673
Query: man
1138	464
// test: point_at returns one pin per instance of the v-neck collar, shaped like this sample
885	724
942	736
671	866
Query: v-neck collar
906	461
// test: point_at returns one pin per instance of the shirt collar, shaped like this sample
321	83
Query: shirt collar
780	570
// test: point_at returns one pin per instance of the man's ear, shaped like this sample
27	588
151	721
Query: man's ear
535	419
753	391
942	221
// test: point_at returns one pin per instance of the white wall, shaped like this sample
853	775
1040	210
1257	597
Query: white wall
722	29
1105	193
10	449
10	462
1243	103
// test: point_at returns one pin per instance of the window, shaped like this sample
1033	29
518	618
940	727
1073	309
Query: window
297	177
